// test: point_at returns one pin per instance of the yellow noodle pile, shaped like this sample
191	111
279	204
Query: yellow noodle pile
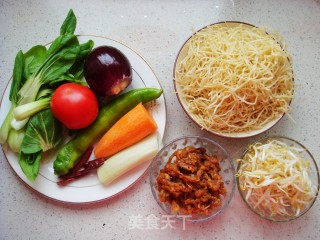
235	79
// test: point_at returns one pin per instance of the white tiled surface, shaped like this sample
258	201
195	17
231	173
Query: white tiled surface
156	29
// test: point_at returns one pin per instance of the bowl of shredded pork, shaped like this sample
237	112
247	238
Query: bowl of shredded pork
234	79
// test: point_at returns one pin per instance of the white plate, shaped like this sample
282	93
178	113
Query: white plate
89	189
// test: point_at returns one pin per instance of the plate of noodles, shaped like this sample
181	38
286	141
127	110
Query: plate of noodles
234	79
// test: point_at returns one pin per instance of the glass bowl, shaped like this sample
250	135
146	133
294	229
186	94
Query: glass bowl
277	196
227	173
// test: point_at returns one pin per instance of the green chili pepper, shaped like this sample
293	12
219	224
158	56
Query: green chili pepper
108	115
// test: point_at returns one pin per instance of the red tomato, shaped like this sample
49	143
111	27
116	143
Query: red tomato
74	105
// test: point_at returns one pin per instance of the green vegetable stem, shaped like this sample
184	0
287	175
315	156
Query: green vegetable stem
109	114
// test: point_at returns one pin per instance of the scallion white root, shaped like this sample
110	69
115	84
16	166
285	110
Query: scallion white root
129	158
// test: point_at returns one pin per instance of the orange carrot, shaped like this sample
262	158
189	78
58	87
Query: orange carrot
130	129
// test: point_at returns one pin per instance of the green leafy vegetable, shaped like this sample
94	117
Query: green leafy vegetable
17	78
62	61
56	64
77	69
43	133
29	127
69	24
17	82
33	60
30	164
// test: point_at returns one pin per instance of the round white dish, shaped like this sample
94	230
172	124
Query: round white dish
88	189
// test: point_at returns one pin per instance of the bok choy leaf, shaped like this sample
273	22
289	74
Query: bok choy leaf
34	58
43	133
30	164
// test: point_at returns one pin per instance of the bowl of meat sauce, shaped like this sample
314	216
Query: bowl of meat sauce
193	178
